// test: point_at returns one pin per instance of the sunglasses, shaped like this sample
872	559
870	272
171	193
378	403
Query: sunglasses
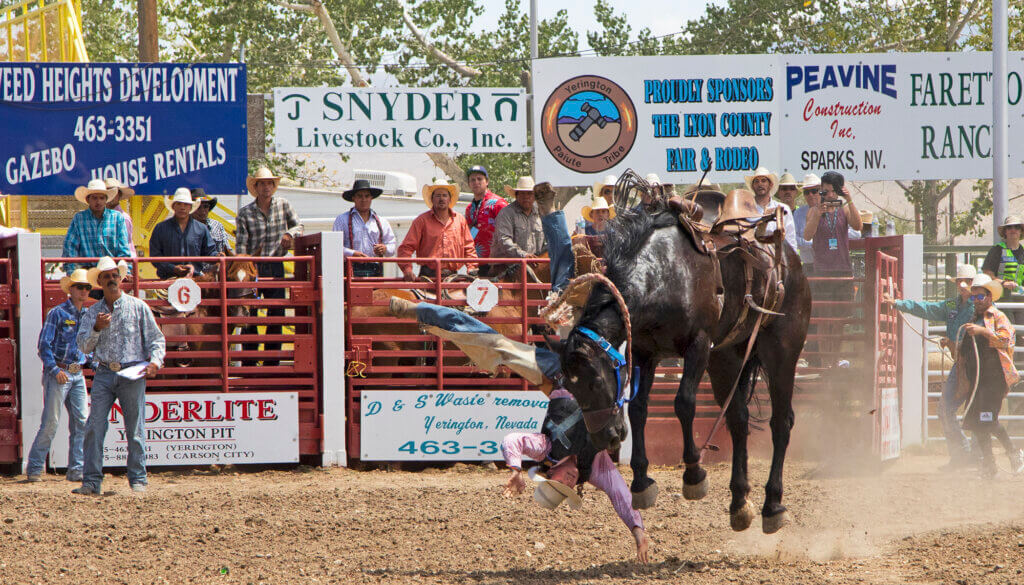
811	191
978	297
82	286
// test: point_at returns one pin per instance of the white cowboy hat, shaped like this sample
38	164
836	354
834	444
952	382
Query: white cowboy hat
261	174
522	184
428	190
788	180
1010	220
549	493
608	181
599	203
811	180
181	195
763	172
106	263
985	281
120	188
94	186
866	216
79	276
964	272
653	178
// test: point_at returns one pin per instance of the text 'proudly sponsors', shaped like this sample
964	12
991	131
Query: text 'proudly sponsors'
205	429
398	425
399	119
154	126
872	116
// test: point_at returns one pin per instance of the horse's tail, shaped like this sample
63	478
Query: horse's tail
755	369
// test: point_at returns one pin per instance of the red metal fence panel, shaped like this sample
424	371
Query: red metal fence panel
10	422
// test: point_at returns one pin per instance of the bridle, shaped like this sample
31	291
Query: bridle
597	420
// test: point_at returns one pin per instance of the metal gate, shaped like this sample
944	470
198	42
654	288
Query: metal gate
10	423
888	409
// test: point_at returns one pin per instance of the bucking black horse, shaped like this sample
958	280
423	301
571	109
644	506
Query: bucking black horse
670	288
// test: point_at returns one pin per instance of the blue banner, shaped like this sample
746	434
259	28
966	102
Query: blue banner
153	126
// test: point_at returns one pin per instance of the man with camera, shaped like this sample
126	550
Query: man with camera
828	226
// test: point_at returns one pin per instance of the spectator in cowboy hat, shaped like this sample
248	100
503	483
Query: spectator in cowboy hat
517	229
597	215
63	382
764	184
181	235
482	212
438	233
1005	260
120	192
810	187
96	231
606	188
266	227
364	232
120	332
217	231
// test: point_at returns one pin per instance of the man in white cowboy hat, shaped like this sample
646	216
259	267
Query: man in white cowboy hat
810	187
114	202
597	214
482	212
96	231
606	188
63	382
266	227
121	334
364	232
764	184
180	235
955	312
1005	260
518	232
438	233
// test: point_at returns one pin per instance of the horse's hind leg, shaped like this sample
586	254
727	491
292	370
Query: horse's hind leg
644	489
780	370
723	372
695	362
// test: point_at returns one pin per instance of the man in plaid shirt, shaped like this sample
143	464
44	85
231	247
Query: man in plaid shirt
97	231
266	227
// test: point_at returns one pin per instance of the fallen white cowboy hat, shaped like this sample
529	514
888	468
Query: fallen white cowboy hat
609	181
598	204
550	493
181	195
106	263
522	184
261	173
763	172
119	187
1010	220
985	281
964	272
94	186
79	276
811	180
428	190
788	180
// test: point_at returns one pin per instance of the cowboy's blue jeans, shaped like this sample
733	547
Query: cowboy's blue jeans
956	440
131	396
559	249
56	395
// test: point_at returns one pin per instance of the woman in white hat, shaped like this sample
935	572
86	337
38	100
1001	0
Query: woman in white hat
181	235
598	214
96	231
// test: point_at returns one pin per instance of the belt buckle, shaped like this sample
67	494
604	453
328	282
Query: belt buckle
114	366
74	368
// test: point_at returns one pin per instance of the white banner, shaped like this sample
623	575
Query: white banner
868	116
398	425
203	429
399	119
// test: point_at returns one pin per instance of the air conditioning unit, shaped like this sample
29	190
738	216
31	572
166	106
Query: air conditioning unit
391	182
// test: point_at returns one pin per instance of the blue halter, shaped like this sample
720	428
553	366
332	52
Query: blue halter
618	362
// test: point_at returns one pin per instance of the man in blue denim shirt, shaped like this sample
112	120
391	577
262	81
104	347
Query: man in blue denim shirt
180	235
62	378
955	312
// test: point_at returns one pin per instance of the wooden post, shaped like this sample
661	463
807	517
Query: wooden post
149	51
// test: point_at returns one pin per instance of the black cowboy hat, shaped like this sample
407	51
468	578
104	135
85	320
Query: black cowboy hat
360	185
199	194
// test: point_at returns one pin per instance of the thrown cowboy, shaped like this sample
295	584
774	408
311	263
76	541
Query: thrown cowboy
121	334
221	243
438	233
764	184
180	235
96	231
482	212
121	191
363	231
63	382
517	230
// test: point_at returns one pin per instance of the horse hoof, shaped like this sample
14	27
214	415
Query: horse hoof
645	499
772	524
740	519
696	491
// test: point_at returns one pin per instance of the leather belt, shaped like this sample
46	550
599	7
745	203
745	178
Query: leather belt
71	368
112	366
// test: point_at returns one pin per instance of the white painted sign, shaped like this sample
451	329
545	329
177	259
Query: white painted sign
204	428
184	295
888	424
481	295
400	119
399	425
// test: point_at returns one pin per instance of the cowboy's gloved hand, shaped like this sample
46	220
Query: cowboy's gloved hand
516	484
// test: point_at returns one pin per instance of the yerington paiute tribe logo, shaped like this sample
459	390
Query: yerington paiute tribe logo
588	124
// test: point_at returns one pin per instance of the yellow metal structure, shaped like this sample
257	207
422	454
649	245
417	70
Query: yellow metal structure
43	31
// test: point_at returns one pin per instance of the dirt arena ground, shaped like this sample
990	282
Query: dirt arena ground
908	525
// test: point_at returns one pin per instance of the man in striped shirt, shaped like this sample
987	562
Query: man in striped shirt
97	231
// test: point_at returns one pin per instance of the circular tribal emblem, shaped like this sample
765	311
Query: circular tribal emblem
588	124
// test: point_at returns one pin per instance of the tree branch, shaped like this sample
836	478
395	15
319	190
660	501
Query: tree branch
463	70
958	27
317	7
902	186
450	168
297	7
949	188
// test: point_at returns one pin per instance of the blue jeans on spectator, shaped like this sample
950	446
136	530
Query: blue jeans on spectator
131	395
956	440
563	263
55	394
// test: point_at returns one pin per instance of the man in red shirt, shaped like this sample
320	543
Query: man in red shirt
438	233
481	212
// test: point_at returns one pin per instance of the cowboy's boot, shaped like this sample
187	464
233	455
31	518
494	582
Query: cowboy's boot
402	308
545	197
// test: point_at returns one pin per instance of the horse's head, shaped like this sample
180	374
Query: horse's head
590	376
241	271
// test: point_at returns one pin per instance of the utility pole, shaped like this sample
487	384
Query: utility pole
531	102
1000	145
149	51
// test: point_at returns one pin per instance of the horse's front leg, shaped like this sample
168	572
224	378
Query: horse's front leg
737	417
780	387
695	362
645	490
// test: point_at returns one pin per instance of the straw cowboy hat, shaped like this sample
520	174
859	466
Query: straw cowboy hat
522	184
866	216
558	486
985	281
261	174
811	180
361	185
120	188
599	203
788	180
94	186
79	276
609	181
428	190
964	272
763	172
1010	220
106	263
181	195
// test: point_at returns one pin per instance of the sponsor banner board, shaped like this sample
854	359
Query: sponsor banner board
400	119
869	116
888	423
398	425
204	429
153	126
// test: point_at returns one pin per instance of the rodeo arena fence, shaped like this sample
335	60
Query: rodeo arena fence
345	363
